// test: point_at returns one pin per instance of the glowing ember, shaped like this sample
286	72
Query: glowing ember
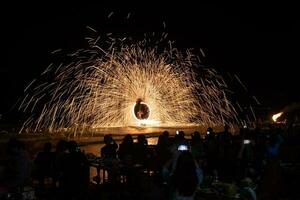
276	116
118	84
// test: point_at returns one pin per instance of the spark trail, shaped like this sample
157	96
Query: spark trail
100	86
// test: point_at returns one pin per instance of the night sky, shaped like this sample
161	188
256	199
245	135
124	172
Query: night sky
260	45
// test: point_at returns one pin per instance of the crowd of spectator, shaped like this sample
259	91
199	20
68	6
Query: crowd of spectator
175	168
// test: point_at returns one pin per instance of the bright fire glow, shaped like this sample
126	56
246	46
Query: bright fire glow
100	85
138	120
276	116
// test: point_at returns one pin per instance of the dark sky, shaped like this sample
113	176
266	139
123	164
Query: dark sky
260	44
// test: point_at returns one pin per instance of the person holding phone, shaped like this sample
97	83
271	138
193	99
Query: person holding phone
182	147
187	176
246	156
246	141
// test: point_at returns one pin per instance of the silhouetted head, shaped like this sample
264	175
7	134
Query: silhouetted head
196	137
72	146
166	134
138	101
141	139
162	141
128	139
61	146
108	139
181	135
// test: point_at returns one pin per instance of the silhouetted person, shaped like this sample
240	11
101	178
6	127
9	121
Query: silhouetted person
180	139
226	155
226	136
17	166
75	173
269	186
197	146
109	155
109	151
44	163
126	149
61	150
186	177
141	150
167	137
126	155
211	150
162	149
166	134
246	154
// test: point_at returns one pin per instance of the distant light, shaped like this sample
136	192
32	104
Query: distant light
276	116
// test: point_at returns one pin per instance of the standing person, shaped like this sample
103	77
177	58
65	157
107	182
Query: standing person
59	154
44	163
17	166
140	149
185	178
109	151
211	150
269	187
75	173
109	155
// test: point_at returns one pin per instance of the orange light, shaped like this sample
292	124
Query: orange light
276	116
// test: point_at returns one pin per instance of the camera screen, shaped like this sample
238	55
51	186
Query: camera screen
182	148
246	141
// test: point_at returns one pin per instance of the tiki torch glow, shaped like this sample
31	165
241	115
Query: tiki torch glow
276	116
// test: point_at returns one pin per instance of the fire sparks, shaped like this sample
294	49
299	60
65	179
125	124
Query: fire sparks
101	84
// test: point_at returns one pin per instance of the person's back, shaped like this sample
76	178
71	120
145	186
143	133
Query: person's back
226	136
211	150
269	186
163	153
59	155
17	165
197	146
140	150
45	162
186	177
126	149
74	172
109	151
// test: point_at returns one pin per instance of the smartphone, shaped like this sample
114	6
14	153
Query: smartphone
246	141
177	132
182	148
207	132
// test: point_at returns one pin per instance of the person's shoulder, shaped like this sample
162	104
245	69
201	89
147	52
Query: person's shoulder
115	145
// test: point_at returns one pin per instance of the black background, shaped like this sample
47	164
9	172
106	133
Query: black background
258	43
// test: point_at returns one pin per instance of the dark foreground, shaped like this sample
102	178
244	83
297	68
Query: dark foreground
261	164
